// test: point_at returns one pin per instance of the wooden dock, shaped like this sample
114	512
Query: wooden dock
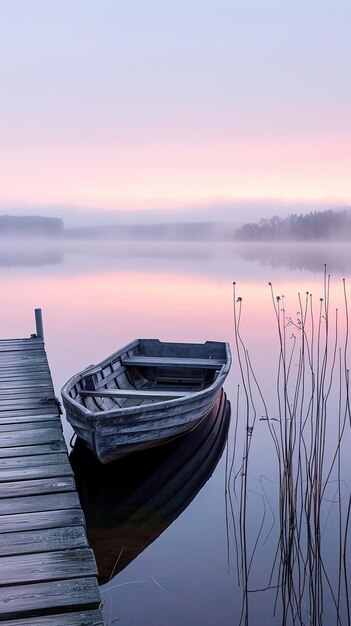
47	570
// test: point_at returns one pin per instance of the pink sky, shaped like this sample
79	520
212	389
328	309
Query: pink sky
122	109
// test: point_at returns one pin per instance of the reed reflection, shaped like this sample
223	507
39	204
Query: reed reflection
130	502
299	256
302	523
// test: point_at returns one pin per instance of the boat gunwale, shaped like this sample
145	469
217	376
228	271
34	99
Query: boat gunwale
94	416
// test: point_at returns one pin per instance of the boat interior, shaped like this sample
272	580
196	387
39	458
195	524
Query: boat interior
149	371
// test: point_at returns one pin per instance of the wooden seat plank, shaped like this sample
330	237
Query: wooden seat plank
170	362
45	540
135	393
37	598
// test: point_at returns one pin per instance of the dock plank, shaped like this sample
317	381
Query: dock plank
30	437
46	566
39	520
45	540
6	426
26	393
37	598
54	458
36	487
38	504
16	412
86	618
47	570
18	418
19	451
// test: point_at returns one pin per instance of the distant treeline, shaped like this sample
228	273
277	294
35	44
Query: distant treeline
30	226
313	226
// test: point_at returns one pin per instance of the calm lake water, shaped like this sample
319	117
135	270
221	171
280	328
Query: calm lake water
224	542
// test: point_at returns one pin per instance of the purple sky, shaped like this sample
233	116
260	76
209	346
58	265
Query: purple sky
193	109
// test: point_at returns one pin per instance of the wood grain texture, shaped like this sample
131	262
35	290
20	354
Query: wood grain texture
47	570
38	520
14	426
36	487
46	410
28	568
172	362
37	471
44	540
29	437
134	393
32	419
38	503
55	458
86	618
20	451
37	598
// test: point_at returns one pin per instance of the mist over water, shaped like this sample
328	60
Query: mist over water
97	296
29	252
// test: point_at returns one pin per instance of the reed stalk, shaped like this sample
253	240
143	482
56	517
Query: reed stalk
313	418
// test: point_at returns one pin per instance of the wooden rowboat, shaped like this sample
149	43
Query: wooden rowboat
145	394
130	503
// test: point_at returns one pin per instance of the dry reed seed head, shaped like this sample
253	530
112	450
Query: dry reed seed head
278	298
239	299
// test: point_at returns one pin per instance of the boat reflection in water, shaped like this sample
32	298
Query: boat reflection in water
129	503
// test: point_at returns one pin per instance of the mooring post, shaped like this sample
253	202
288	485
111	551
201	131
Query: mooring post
39	324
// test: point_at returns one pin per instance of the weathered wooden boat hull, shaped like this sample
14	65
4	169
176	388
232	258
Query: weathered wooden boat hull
129	503
131	424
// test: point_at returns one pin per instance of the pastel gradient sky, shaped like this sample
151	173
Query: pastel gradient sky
228	107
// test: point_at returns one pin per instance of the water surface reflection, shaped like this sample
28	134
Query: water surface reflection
129	503
204	255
